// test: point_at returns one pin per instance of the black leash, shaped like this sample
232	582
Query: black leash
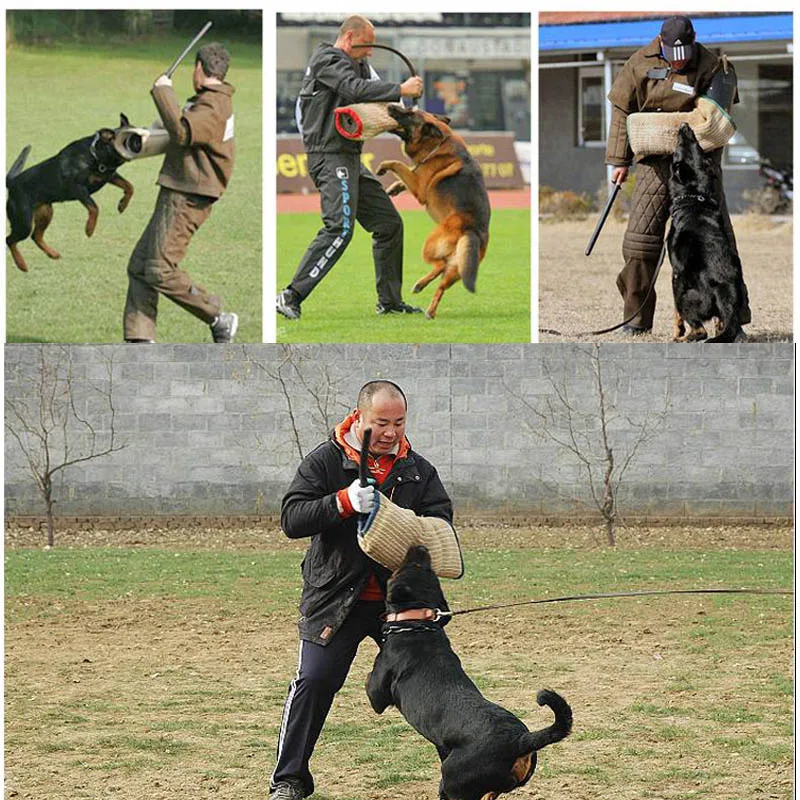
606	595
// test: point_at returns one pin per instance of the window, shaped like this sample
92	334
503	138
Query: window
591	107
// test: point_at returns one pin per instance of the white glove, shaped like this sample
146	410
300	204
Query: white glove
362	498
163	80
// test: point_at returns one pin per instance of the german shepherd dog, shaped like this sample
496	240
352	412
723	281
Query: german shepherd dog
449	183
485	750
75	173
706	271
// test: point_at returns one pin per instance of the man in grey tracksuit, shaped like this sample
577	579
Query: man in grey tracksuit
339	75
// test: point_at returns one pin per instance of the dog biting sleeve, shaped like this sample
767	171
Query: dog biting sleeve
386	534
364	120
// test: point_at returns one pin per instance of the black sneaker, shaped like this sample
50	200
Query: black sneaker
224	327
634	330
288	789
397	308
288	304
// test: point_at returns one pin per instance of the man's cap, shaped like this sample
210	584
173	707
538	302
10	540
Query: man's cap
677	38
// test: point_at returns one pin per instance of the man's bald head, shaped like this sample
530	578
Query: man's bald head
354	31
369	390
355	23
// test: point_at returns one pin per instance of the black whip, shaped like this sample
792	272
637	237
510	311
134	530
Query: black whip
406	60
605	595
363	461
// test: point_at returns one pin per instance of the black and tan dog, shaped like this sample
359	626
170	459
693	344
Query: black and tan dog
449	183
75	173
485	750
707	277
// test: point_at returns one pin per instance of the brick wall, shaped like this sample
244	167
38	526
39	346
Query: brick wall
219	430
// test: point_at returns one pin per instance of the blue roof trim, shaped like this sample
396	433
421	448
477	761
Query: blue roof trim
710	31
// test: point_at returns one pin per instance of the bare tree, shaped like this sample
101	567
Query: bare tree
56	427
302	380
595	430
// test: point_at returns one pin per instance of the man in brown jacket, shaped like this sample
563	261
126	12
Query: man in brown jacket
196	171
669	74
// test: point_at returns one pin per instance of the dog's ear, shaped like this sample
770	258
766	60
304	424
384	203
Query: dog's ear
123	121
430	130
443	118
107	135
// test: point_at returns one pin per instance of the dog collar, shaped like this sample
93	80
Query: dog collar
690	199
431	154
100	167
415	615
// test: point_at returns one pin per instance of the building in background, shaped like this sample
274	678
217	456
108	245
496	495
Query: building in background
580	54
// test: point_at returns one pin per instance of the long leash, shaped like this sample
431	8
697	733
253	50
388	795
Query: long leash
625	321
606	595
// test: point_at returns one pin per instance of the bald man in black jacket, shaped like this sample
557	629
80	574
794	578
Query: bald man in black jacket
339	75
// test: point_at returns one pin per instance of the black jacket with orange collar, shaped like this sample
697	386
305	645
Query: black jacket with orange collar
335	569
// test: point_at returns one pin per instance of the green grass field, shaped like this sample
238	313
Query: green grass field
342	307
63	92
164	669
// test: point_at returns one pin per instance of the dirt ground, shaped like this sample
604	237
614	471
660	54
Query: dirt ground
578	294
113	678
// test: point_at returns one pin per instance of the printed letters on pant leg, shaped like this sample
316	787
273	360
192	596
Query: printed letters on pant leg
336	177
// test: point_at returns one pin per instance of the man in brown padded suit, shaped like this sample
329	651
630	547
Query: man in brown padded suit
669	74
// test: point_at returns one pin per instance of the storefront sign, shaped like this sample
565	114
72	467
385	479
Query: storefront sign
493	151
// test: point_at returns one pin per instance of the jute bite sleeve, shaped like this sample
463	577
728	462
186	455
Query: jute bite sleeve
389	530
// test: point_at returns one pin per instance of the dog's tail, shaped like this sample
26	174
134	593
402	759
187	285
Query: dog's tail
18	165
536	740
468	256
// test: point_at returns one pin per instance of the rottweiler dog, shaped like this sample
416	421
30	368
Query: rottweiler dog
75	173
707	276
485	750
449	183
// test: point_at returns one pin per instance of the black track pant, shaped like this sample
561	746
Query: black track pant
349	192
321	672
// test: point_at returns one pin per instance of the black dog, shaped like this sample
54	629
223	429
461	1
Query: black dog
76	173
485	750
706	271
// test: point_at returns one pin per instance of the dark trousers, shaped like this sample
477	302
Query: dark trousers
321	672
350	193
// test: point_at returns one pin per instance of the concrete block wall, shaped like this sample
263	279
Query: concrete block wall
219	430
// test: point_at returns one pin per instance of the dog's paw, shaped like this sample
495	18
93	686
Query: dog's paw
123	204
382	169
395	189
416	288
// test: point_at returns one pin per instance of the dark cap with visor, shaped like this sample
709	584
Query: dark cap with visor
677	38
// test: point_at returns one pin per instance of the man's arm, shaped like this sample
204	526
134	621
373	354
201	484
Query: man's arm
623	102
170	112
338	75
307	508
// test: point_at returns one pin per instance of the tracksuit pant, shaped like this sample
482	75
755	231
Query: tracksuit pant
350	193
153	267
644	238
321	672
